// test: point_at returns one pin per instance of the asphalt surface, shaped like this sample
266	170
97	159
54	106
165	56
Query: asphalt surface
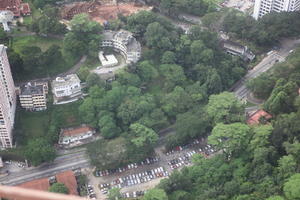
77	159
240	89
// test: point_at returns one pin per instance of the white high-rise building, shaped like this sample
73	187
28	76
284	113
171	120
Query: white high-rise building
7	101
263	7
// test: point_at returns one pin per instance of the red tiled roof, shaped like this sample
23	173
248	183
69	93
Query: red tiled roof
68	178
16	6
77	131
254	118
38	184
25	9
4	4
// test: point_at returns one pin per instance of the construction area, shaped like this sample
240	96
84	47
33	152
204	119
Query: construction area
102	10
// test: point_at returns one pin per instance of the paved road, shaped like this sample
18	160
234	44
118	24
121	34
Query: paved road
67	159
62	163
268	62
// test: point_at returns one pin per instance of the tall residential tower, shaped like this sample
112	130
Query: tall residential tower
263	7
7	101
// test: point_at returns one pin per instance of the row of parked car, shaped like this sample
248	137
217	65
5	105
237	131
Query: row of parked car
187	146
90	192
147	161
134	194
135	179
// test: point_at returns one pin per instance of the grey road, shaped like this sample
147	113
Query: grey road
67	160
240	89
77	159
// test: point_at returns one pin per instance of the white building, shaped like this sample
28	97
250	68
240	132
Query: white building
66	89
107	60
7	101
263	7
33	96
124	42
73	135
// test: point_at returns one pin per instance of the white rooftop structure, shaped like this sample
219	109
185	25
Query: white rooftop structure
5	17
66	89
107	60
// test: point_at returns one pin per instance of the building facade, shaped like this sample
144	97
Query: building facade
72	135
7	101
66	89
33	96
124	42
263	7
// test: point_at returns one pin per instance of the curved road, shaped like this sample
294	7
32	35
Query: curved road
240	89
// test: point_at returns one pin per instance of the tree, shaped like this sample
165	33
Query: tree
84	37
275	198
230	137
155	194
114	194
83	73
173	74
176	102
287	166
59	188
156	37
146	71
189	125
291	187
142	135
38	151
168	58
224	107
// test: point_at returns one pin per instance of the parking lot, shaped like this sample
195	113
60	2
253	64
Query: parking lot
136	178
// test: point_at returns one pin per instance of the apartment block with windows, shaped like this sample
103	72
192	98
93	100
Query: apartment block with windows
7	101
33	96
263	7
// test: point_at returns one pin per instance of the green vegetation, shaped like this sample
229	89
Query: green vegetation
265	31
38	151
34	40
59	188
45	124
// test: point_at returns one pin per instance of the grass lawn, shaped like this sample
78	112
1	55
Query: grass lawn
91	62
31	125
43	42
60	65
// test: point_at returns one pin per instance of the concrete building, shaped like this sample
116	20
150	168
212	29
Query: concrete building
107	60
123	42
7	101
33	96
73	135
262	7
236	49
66	89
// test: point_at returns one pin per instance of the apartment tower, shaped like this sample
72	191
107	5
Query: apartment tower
263	7
7	101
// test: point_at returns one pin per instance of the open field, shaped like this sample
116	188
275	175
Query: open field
30	125
33	40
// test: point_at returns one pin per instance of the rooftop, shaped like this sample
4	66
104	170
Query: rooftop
69	180
69	79
32	89
76	131
255	117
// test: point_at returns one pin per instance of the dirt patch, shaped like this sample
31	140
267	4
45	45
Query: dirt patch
101	11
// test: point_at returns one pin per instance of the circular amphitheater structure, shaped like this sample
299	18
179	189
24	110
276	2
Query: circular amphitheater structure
123	42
